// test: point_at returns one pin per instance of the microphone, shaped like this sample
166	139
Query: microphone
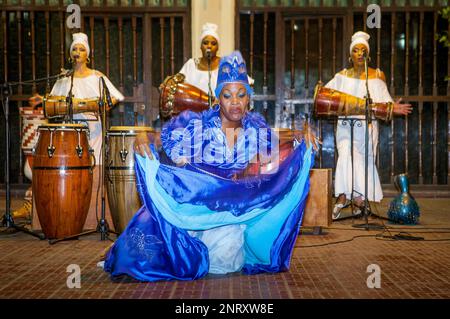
108	96
208	53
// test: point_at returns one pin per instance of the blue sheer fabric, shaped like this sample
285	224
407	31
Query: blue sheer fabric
194	221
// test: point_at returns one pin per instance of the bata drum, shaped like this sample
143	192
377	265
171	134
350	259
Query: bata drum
177	96
57	107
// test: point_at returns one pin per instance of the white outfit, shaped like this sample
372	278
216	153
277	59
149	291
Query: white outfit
343	178
199	78
87	88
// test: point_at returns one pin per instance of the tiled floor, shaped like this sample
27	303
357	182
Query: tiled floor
323	266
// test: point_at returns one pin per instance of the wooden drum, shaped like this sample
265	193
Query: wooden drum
177	96
62	179
57	107
123	197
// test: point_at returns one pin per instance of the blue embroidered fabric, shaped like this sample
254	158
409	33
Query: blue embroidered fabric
193	216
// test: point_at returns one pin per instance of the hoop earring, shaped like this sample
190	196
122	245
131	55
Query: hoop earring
70	60
369	59
88	60
350	60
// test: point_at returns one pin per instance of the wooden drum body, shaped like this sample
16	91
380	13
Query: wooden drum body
331	103
177	96
123	197
62	179
57	107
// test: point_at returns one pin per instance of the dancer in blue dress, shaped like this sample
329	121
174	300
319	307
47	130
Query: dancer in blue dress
206	209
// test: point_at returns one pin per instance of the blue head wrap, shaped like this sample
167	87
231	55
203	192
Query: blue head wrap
232	69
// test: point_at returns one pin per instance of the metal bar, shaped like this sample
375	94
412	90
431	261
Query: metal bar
292	68
334	46
265	88
33	50
279	65
61	39
420	93
320	48
5	47
151	111
392	91
92	46
334	72
106	24
121	70
161	24
47	48
320	123
448	114
19	48
406	89
172	45
252	22
435	104
133	28
306	56
121	57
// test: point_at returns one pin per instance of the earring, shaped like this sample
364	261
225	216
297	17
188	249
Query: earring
368	59
350	59
88	60
70	60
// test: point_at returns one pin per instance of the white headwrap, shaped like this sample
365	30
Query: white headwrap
80	38
209	29
360	37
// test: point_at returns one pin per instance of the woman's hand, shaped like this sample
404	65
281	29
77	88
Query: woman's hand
308	135
35	100
401	108
141	145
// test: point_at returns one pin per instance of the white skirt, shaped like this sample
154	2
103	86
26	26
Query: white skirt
343	177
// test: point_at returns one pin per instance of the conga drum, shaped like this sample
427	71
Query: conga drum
62	179
123	196
177	96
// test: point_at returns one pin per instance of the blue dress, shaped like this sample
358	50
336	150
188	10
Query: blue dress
200	218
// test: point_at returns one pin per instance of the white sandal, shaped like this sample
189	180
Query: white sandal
337	209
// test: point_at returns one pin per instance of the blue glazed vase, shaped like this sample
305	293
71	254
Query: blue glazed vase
403	208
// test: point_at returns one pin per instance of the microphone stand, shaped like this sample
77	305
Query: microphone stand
368	120
103	227
8	220
208	55
69	100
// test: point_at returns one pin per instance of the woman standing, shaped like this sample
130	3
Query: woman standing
353	82
86	88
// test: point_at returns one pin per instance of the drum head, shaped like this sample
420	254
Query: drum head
129	130
63	126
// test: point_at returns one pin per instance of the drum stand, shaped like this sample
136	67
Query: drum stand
8	220
102	227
